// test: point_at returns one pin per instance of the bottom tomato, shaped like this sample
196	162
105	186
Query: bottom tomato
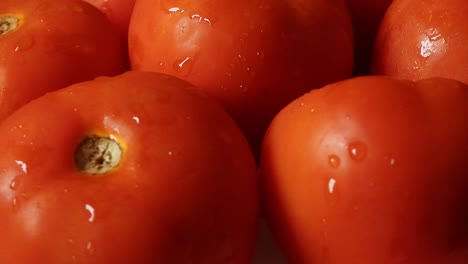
370	170
137	168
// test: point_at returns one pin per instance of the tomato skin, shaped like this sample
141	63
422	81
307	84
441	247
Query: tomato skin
117	11
58	43
366	16
423	39
185	191
370	170
253	57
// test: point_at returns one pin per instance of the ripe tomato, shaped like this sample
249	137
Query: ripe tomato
117	11
366	16
49	44
422	39
138	168
370	170
254	57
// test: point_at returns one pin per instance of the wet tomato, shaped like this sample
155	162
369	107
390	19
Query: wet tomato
254	57
422	39
137	168
117	11
370	170
49	44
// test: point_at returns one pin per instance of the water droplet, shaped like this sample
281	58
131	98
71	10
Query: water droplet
243	88
241	57
251	71
260	55
200	19
90	248
170	153
183	66
357	150
432	42
334	161
91	212
331	185
332	194
24	43
22	164
174	10
14	202
136	119
15	183
391	161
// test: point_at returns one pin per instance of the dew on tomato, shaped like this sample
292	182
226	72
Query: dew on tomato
184	66
331	191
391	160
16	182
433	42
357	150
25	43
90	248
334	161
91	211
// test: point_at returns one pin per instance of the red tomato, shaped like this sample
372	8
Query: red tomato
118	12
366	16
137	168
370	170
254	57
422	39
49	44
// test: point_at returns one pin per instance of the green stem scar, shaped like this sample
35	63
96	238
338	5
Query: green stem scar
97	155
8	24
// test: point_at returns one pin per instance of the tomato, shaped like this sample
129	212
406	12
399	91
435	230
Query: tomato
49	44
137	168
117	11
422	39
370	170
366	16
253	57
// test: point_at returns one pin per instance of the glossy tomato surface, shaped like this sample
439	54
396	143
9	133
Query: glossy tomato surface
182	187
370	170
117	11
366	16
422	39
49	44
254	57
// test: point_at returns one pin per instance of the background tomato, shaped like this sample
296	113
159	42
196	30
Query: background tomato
421	39
370	170
185	190
55	43
366	16
117	11
254	57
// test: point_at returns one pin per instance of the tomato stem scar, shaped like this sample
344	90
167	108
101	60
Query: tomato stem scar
97	155
8	24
